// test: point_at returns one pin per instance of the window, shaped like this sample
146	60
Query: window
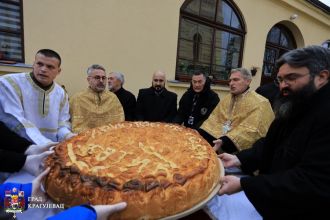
211	37
11	31
279	41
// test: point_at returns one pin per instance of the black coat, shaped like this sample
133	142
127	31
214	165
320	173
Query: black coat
270	91
294	164
128	101
12	150
206	101
153	107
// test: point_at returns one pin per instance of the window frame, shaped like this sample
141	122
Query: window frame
216	26
18	34
280	50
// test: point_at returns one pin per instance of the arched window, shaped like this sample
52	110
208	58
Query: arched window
211	37
279	41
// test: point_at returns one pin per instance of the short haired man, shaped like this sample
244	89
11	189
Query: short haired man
197	103
241	118
95	106
127	99
294	158
156	103
33	105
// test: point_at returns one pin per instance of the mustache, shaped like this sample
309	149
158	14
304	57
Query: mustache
286	90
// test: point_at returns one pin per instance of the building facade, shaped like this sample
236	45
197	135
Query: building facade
177	36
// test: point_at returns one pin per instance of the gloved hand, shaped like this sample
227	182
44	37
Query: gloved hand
34	163
38	149
37	192
104	211
70	136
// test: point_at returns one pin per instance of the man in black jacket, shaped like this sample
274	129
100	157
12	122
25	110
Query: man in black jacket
197	102
294	158
127	99
156	103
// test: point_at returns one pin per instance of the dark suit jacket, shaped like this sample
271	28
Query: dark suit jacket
12	150
128	101
153	107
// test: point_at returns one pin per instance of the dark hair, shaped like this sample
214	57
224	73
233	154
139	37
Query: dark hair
197	73
315	58
50	53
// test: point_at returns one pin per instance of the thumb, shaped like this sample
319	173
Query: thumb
38	179
45	154
49	145
118	207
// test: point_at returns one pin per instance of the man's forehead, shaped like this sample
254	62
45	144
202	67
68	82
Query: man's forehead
236	74
113	76
98	72
44	58
158	77
286	69
197	77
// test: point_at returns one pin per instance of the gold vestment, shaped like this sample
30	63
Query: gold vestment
89	109
244	119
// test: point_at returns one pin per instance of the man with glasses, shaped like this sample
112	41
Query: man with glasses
33	105
156	103
95	106
293	159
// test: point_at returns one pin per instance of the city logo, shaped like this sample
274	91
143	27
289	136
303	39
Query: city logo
14	201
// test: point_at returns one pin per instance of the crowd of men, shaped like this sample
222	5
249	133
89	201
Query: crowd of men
282	148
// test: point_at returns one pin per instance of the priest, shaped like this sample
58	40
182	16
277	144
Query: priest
241	118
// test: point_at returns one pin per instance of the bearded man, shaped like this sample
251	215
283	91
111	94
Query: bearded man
95	106
293	159
156	103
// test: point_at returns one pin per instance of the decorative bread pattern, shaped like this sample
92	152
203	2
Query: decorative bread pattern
159	169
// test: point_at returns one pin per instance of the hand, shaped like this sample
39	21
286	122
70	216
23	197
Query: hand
230	185
37	193
104	211
34	163
229	160
217	144
70	135
38	149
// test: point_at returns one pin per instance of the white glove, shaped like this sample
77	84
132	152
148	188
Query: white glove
34	163
70	135
104	211
38	149
37	192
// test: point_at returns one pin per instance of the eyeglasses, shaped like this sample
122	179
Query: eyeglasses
290	78
99	77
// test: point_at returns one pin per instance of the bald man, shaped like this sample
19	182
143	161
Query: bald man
156	103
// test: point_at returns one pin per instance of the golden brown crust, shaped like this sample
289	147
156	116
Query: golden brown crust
159	169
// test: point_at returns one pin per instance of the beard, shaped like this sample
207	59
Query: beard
288	106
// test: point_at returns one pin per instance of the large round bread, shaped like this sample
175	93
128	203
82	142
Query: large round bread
159	169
